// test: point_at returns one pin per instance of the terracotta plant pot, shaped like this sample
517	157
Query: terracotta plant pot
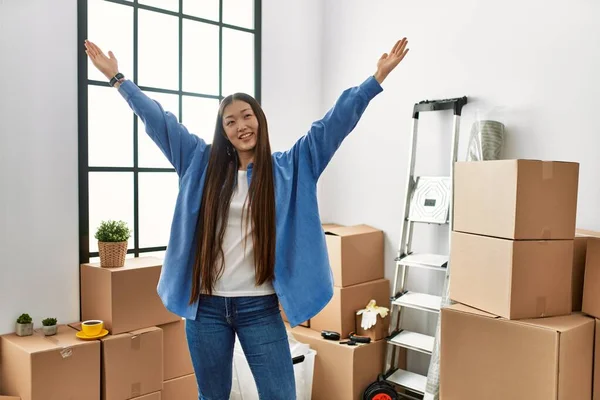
112	254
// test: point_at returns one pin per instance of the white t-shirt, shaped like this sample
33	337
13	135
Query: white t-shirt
238	277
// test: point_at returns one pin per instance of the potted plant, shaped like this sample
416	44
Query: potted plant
24	325
112	243
49	326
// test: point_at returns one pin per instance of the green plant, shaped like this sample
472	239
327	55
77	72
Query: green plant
24	319
113	231
49	321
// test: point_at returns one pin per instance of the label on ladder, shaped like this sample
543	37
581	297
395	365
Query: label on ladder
430	202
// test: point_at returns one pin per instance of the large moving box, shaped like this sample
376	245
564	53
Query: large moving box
591	285
182	388
340	314
342	372
124	298
512	279
176	354
355	253
516	199
132	364
597	362
487	357
55	367
579	257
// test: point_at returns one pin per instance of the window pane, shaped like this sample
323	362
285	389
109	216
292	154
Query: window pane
110	26
158	50
239	13
110	128
207	9
200	57
172	5
238	76
157	194
149	153
200	116
111	198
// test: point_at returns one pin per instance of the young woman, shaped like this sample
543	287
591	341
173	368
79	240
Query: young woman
246	233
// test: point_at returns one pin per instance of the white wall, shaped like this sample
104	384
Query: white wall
38	133
38	159
532	65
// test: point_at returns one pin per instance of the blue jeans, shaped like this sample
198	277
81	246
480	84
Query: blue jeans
262	334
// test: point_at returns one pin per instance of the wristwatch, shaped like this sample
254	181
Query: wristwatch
119	77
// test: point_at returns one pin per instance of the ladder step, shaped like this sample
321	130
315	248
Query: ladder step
413	341
431	261
430	200
419	301
409	380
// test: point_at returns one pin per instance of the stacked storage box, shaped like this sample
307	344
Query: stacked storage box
144	356
512	333
356	257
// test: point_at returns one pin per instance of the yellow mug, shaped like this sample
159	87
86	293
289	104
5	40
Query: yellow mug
92	327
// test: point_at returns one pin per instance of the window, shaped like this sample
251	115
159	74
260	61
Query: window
186	55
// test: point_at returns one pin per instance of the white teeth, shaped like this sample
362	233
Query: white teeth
245	135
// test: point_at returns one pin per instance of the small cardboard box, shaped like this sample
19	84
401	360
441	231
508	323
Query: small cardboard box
516	199
376	332
339	314
343	372
284	317
132	364
42	367
591	284
124	298
579	256
355	253
176	355
512	279
182	388
487	357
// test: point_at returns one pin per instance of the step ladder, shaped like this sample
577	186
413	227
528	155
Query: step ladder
428	200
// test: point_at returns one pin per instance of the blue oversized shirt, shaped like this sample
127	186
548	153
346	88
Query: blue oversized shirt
303	279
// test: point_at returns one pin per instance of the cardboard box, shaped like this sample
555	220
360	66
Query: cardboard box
132	364
579	256
152	396
9	398
182	388
176	354
486	357
340	314
284	317
591	284
124	298
376	332
342	372
512	279
596	384
516	199
54	367
355	253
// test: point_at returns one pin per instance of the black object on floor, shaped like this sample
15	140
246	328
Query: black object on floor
380	390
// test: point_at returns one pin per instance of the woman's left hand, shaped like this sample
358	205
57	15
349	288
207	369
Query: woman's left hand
388	62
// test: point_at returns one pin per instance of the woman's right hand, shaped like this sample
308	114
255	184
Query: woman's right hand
107	65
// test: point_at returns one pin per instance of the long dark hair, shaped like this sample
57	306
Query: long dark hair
216	199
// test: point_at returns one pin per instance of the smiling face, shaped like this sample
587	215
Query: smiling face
240	125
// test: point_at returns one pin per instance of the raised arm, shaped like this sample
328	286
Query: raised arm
325	136
173	139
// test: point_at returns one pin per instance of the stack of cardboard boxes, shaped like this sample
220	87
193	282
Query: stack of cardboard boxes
517	279
341	371
145	356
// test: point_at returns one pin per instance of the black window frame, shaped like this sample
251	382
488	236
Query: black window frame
83	83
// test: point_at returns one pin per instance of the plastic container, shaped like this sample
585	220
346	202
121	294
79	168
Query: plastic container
243	385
